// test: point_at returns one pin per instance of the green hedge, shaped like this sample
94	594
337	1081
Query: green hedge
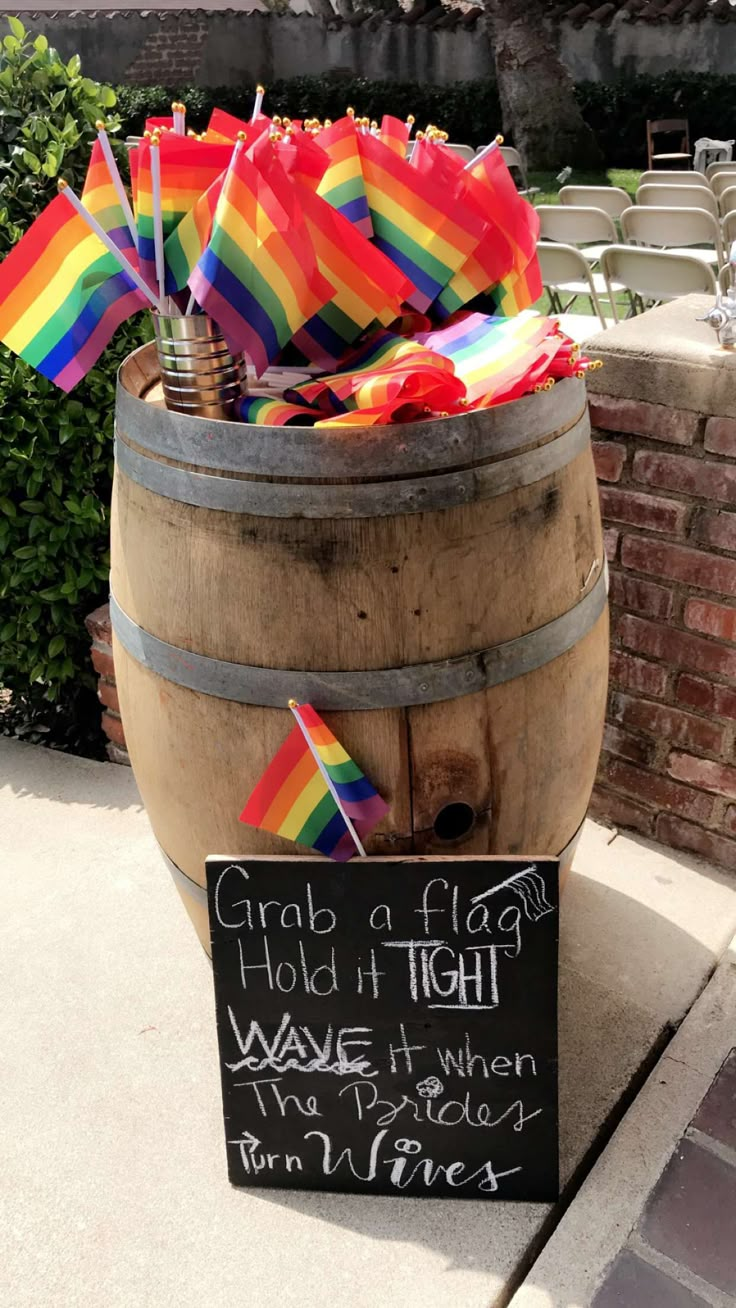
469	111
55	450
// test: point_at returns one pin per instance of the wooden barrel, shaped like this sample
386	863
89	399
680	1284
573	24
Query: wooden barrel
437	590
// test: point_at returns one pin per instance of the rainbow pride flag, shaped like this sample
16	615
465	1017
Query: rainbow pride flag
269	412
384	375
188	168
184	247
292	798
492	355
394	134
100	198
521	286
342	185
493	257
427	232
368	287
258	276
62	296
224	127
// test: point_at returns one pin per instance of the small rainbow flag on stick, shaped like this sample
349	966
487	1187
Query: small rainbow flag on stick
313	793
63	294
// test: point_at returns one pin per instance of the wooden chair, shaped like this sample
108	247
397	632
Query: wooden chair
679	231
667	127
678	197
655	276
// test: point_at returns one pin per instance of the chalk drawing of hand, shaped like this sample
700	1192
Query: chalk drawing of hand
431	1088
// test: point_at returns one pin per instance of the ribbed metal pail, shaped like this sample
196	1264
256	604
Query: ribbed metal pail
199	374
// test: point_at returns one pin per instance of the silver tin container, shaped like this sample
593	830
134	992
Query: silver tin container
199	374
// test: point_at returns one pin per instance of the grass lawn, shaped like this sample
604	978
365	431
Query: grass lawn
626	178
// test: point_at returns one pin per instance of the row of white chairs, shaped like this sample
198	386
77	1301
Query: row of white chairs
645	277
692	231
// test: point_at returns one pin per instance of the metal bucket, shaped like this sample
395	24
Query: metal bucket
199	374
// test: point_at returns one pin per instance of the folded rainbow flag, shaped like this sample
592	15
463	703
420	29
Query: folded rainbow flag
269	412
62	296
342	185
292	798
384	375
491	354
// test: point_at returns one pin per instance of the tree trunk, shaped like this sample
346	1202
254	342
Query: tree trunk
536	91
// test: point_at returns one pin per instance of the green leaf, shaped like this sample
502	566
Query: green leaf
7	506
56	645
32	161
19	30
25	552
41	44
108	97
74	66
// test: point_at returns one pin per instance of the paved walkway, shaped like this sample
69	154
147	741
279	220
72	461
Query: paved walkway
111	1154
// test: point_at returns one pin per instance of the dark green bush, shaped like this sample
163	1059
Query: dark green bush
469	111
55	450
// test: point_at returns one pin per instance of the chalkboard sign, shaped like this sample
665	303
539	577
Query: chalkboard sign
388	1026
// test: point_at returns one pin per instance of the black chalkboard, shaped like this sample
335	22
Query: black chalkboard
388	1026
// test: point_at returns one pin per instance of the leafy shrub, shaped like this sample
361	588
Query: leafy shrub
55	450
469	111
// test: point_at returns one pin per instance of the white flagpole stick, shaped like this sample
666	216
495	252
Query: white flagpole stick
483	153
109	244
179	115
260	92
117	180
158	230
326	777
410	121
190	305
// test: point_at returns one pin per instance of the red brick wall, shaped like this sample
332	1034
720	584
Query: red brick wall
98	626
668	496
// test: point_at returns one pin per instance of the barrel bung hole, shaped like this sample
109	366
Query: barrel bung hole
454	822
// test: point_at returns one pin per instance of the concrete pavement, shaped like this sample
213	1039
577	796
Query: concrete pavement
114	1190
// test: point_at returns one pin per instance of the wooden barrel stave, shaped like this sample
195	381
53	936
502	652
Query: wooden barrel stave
352	595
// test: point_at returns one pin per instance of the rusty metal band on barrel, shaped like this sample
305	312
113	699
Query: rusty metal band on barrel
275	499
418	683
193	888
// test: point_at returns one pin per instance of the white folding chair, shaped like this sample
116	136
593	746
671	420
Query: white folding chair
728	227
654	276
678	197
466	152
680	231
721	182
513	159
727	199
590	229
566	273
675	178
714	168
611	199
